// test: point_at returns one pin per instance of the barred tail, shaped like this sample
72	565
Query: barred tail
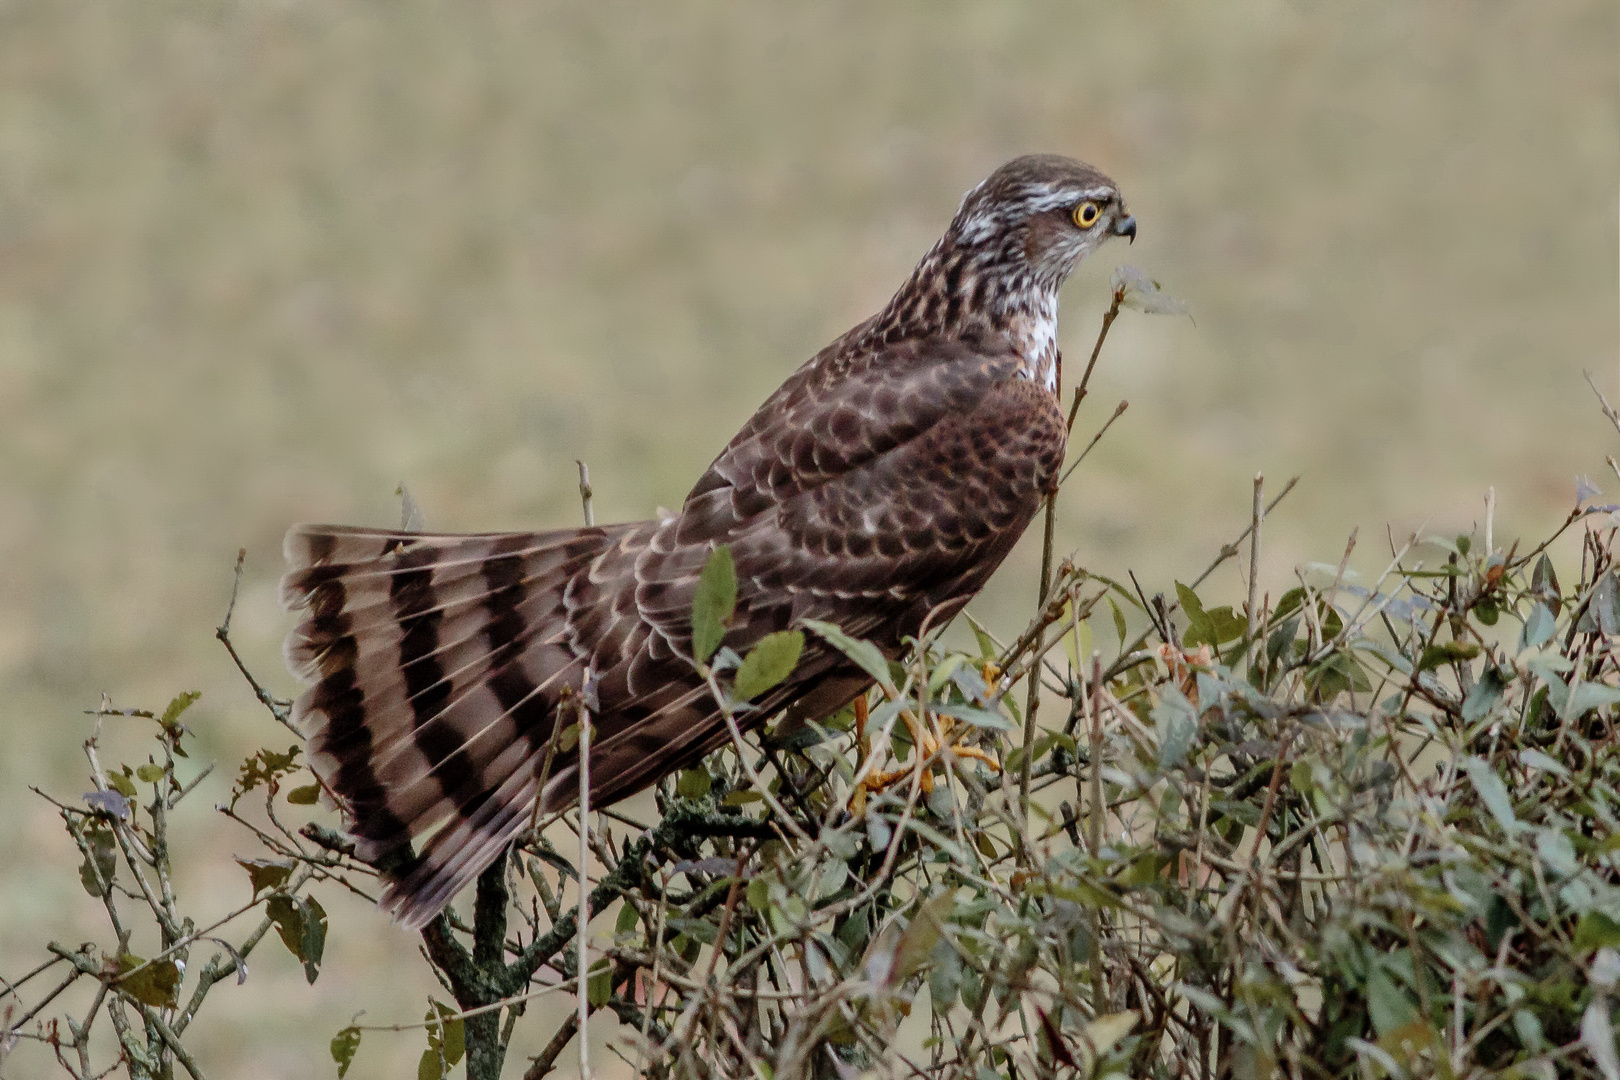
437	662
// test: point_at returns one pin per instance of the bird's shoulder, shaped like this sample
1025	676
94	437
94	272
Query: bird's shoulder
863	395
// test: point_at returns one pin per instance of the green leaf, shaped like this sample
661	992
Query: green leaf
944	670
447	1042
1177	727
122	784
687	947
1595	931
1557	851
767	664
1597	1036
865	655
1535	759
1538	628
1447	652
156	984
307	795
1102	1033
1337	674
1119	621
568	738
314	937
149	773
1528	1026
264	767
599	983
1226	625
1602	614
694	783
1037	750
918	939
301	925
288	916
1544	584
1300	776
1492	792
103	857
987	647
1389	1009
1281	638
713	603
1586	696
1190	604
171	715
945	980
266	873
344	1045
455	1033
1199	627
627	921
1485	695
1291	601
989	719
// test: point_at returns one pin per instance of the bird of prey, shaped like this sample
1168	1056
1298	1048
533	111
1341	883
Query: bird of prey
878	487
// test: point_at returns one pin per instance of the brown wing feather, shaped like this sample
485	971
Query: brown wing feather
869	491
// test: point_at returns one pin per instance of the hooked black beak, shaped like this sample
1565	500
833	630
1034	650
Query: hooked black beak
1126	226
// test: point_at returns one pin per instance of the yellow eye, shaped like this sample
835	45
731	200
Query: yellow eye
1085	215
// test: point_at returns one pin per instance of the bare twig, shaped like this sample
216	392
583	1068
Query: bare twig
583	917
279	708
585	493
1096	350
1119	411
1256	519
1603	402
546	1060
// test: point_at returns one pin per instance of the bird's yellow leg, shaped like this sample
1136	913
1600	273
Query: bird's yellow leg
922	742
928	745
962	749
923	745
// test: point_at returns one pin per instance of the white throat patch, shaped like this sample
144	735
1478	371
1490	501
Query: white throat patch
1045	350
1037	338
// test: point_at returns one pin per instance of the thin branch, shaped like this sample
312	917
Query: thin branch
279	708
1256	519
1119	411
583	716
1603	402
465	1014
585	493
546	1060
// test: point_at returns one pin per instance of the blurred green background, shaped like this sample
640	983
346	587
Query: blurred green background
262	261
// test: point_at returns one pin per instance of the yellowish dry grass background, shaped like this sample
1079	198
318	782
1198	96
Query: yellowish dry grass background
261	261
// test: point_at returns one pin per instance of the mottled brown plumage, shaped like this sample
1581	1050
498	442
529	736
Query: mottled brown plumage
881	484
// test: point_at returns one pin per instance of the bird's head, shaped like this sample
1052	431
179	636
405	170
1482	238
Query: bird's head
1039	216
